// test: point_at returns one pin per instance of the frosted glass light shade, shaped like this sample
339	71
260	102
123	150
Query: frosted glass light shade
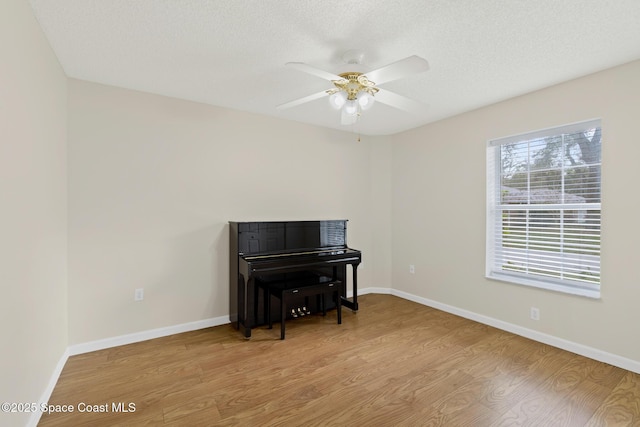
350	108
338	99
366	100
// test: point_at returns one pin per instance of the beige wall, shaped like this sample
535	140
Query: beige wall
153	182
33	231
438	212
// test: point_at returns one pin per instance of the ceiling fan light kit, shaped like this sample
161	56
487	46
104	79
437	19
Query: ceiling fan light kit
355	92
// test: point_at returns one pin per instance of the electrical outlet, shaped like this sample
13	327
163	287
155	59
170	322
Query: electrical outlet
412	269
535	313
138	294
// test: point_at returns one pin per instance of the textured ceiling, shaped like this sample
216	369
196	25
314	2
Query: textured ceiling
232	53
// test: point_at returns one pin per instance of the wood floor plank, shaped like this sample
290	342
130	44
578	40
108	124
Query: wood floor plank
578	406
394	363
622	406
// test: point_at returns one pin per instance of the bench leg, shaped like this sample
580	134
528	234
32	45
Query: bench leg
268	307
339	307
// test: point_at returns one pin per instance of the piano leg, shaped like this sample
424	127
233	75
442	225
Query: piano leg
353	305
355	288
249	305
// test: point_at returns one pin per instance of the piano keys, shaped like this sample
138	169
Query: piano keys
296	251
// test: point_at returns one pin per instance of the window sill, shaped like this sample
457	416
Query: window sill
550	286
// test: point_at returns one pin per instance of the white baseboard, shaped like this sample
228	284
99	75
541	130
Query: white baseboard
34	419
583	350
146	335
373	290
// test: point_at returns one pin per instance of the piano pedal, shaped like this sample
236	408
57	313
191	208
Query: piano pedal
293	313
306	310
300	312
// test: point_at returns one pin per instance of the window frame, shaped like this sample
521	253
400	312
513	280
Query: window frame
494	219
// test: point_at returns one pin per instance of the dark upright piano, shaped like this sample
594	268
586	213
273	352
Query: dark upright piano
290	251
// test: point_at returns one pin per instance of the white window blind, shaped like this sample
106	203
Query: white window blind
543	208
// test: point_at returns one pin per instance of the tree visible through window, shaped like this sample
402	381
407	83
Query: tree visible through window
543	204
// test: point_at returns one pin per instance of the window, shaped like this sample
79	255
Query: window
543	208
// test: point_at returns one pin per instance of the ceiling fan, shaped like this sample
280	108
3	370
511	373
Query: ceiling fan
354	92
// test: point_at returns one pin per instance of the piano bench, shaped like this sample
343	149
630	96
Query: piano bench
285	290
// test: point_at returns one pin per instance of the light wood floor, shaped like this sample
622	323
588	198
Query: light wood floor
394	363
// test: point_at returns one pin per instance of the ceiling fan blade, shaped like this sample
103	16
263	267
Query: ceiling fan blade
301	66
303	100
399	69
400	102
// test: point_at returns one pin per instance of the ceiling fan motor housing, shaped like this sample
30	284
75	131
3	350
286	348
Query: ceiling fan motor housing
353	83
